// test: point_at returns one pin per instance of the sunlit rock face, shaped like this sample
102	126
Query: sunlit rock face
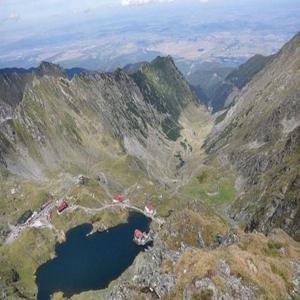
260	135
49	121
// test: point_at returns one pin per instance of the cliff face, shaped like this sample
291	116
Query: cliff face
197	255
13	83
217	85
51	123
11	92
206	260
260	135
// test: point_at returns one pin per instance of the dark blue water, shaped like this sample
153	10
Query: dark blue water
90	262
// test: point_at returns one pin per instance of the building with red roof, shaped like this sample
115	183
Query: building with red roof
62	206
150	209
118	198
138	235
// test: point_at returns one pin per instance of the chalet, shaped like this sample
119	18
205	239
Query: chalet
62	206
118	198
138	235
149	209
142	238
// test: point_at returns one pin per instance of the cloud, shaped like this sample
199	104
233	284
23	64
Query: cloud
85	11
14	17
143	2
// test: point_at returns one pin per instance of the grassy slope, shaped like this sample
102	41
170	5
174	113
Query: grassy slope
253	136
212	184
166	89
256	259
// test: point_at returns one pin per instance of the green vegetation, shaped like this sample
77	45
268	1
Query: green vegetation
186	224
65	132
210	185
221	117
171	129
124	170
25	216
70	125
222	138
273	249
203	295
281	271
166	89
23	135
241	76
32	248
270	275
28	196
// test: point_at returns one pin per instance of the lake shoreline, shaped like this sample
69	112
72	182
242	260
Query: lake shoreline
90	261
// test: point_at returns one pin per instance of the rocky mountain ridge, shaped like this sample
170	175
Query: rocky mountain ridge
144	134
14	80
260	137
122	132
138	110
217	86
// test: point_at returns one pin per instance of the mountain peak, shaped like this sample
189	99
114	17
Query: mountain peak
50	69
163	61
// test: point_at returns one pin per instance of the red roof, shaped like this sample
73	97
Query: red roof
63	205
118	197
150	206
138	234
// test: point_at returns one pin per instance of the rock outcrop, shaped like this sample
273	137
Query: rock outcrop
260	135
145	129
147	278
49	121
244	266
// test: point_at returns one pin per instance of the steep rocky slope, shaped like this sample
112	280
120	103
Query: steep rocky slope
136	134
11	92
55	123
207	77
198	256
217	87
142	134
245	72
14	80
260	136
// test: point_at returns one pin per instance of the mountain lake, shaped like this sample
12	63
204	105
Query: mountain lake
90	262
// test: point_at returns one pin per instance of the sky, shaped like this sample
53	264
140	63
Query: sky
57	25
18	14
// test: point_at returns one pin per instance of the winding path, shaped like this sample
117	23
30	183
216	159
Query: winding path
40	219
93	211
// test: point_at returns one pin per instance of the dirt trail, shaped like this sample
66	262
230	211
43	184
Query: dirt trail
39	220
93	211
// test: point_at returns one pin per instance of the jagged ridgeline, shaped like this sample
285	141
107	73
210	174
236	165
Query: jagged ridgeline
140	132
165	89
50	123
260	135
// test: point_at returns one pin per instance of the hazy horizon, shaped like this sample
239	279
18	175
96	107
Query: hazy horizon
114	33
